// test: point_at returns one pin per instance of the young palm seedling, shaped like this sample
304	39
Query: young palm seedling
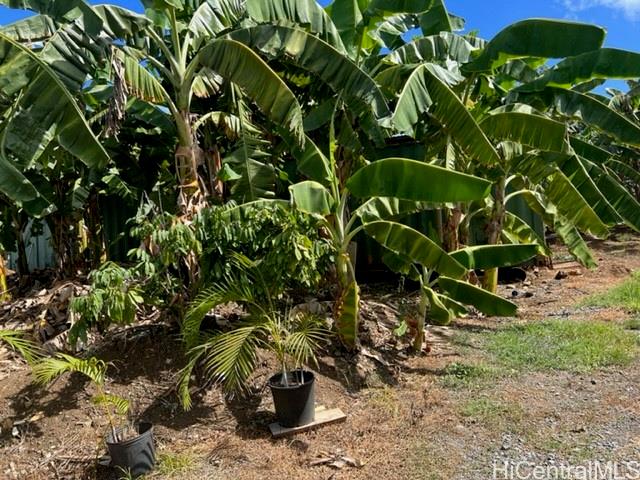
131	449
230	357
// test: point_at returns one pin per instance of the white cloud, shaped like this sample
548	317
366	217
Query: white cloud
631	8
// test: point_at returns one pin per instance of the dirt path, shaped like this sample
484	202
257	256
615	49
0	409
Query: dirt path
452	414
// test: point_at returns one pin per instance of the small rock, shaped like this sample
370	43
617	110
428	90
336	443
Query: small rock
561	275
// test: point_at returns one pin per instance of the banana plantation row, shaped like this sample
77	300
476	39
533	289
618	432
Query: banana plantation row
220	151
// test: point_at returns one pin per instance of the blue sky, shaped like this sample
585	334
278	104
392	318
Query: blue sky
621	18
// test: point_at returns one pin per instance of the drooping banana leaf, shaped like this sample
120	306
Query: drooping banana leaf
538	38
434	49
494	256
306	51
575	171
517	231
311	197
236	62
532	130
386	208
414	246
623	202
484	301
574	241
603	63
413	180
586	108
425	91
301	12
45	112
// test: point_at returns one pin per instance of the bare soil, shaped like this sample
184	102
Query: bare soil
404	420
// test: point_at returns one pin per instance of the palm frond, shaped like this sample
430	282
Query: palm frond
230	357
120	404
302	343
47	369
25	347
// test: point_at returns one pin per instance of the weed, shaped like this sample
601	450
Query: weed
170	463
458	375
493	412
563	345
385	399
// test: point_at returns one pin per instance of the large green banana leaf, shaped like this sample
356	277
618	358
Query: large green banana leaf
589	151
236	62
425	91
574	241
434	48
413	180
311	197
571	204
306	51
436	19
44	112
30	29
57	9
604	63
532	130
538	38
575	171
494	256
415	246
141	82
588	109
347	17
517	231
311	161
302	12
486	302
386	208
623	202
213	17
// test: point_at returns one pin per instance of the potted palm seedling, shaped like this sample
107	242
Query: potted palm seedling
130	445
230	357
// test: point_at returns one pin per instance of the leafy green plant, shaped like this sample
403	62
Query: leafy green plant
50	368
287	242
230	357
113	298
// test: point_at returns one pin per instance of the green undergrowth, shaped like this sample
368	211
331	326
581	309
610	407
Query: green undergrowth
577	346
625	295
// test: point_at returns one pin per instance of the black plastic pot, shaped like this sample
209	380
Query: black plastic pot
136	456
295	402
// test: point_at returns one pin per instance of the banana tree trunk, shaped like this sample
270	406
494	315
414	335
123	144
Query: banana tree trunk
20	223
490	280
451	238
5	296
187	157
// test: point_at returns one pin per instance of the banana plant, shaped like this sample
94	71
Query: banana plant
388	188
477	111
445	291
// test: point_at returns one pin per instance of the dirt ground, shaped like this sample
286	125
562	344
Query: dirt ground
408	416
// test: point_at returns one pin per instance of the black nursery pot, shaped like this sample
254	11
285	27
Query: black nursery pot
295	403
136	455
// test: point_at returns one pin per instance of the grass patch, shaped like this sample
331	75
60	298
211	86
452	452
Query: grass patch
632	324
458	375
490	411
563	345
175	463
625	295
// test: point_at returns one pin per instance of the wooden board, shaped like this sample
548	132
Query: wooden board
324	416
